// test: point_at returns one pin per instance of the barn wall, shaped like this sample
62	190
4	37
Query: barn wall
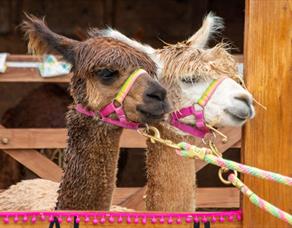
145	20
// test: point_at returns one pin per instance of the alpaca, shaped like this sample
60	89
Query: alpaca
193	67
188	69
100	67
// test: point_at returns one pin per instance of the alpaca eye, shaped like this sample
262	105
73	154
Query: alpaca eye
106	74
190	80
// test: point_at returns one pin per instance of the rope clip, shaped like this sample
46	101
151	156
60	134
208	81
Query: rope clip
225	170
155	136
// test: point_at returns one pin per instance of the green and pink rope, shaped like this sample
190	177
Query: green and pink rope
255	199
191	151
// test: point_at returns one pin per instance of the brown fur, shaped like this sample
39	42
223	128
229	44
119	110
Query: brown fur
91	159
171	179
92	153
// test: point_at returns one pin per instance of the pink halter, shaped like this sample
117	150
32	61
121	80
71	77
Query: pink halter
111	108
200	129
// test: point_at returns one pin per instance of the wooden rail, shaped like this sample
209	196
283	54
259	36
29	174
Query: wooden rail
32	74
56	138
19	144
205	198
28	74
37	163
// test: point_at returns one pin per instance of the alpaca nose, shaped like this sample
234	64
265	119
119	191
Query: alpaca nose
242	107
155	92
244	98
155	103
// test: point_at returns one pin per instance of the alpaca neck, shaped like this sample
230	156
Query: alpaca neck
91	164
171	179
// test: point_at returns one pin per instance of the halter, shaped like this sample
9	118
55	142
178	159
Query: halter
112	107
200	129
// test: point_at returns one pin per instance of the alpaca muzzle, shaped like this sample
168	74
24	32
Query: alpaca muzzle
116	106
200	128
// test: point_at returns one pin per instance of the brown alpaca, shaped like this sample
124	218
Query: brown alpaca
100	67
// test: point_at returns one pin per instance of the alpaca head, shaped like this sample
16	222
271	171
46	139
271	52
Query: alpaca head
100	67
189	68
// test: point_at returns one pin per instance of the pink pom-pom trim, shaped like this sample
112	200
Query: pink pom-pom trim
120	217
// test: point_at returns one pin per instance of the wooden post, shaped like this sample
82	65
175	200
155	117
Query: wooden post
267	140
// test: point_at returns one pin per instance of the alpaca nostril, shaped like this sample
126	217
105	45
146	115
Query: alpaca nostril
156	92
244	98
155	96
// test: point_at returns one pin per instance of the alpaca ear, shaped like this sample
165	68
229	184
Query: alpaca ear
211	25
42	40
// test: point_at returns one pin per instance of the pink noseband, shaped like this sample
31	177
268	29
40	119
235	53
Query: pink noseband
199	129
112	108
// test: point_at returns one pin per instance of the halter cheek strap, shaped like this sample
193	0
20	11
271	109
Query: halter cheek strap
199	129
112	108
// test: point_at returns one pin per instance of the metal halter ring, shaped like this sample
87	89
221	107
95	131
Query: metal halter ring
155	131
155	137
224	170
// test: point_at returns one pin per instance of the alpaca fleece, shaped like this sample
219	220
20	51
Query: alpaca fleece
91	159
165	170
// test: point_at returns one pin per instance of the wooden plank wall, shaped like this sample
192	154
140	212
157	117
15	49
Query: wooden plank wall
267	138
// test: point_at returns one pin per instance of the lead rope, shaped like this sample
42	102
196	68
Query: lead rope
259	202
190	151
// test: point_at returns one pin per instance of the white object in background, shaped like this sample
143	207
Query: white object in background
51	67
23	64
3	65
